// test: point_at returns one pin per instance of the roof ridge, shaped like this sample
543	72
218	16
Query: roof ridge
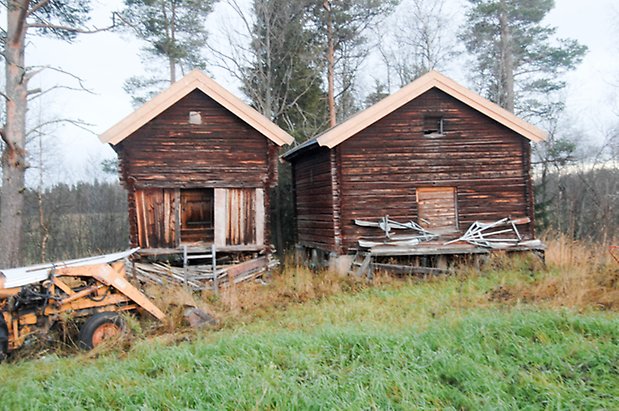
193	80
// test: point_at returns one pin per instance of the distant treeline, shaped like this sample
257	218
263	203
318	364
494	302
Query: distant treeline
84	219
66	222
581	204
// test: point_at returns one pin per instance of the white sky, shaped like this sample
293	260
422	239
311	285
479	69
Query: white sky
105	60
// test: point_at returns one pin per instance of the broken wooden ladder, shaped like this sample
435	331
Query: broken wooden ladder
361	264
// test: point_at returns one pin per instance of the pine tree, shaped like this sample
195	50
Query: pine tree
518	60
175	35
343	26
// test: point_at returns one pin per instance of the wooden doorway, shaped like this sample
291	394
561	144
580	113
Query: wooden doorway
437	208
197	216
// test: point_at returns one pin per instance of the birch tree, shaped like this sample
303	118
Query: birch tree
418	40
59	19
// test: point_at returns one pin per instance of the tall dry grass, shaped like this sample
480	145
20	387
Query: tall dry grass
291	284
239	303
578	274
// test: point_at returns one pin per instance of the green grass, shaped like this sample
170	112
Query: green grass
438	344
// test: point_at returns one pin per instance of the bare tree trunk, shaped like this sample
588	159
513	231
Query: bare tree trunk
506	93
14	135
43	228
330	64
169	30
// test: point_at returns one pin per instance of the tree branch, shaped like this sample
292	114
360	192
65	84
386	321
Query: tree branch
77	123
79	80
37	7
68	28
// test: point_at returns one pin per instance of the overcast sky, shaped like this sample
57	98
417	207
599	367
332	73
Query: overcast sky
105	60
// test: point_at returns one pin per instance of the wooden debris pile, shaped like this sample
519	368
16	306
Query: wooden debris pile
500	234
204	277
411	233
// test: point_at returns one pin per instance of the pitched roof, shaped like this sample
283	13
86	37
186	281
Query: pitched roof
367	117
192	81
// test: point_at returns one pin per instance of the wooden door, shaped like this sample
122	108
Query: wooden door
156	217
241	208
197	215
437	208
239	216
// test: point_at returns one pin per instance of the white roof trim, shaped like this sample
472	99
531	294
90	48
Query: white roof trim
194	80
362	120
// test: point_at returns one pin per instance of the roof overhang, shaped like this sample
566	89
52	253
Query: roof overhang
196	80
433	79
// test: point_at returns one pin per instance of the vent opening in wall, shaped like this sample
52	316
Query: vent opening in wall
433	126
195	117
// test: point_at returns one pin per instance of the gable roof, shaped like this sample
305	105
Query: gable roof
369	116
192	81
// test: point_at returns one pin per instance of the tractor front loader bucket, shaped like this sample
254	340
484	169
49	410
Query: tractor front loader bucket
113	275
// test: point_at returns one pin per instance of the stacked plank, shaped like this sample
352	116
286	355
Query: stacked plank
201	277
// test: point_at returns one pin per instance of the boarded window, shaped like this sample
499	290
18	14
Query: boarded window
197	215
437	208
433	126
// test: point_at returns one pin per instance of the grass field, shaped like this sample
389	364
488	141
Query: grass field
321	342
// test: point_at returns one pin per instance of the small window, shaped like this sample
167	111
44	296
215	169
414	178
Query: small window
433	126
195	117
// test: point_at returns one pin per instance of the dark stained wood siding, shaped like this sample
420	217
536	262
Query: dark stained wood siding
223	151
381	166
314	201
169	153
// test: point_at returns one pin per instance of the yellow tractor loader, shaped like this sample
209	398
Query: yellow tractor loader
93	291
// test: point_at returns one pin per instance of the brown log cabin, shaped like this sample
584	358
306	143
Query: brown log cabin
198	164
434	152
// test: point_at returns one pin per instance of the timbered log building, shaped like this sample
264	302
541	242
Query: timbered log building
198	164
434	152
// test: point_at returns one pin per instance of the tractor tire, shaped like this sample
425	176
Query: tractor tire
4	339
99	328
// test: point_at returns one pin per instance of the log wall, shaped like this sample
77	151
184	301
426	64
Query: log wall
314	200
170	153
381	167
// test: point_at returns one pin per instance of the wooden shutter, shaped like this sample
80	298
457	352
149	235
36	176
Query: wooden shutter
437	208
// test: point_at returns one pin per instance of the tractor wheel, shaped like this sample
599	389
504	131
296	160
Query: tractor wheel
4	339
99	328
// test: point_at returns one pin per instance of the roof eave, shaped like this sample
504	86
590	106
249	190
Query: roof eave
300	149
194	80
364	119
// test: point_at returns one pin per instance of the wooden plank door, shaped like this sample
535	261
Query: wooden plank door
239	216
156	216
437	208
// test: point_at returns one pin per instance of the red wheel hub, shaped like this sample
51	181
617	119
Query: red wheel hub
105	332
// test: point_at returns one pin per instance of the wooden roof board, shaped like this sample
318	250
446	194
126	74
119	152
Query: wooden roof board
192	81
389	104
